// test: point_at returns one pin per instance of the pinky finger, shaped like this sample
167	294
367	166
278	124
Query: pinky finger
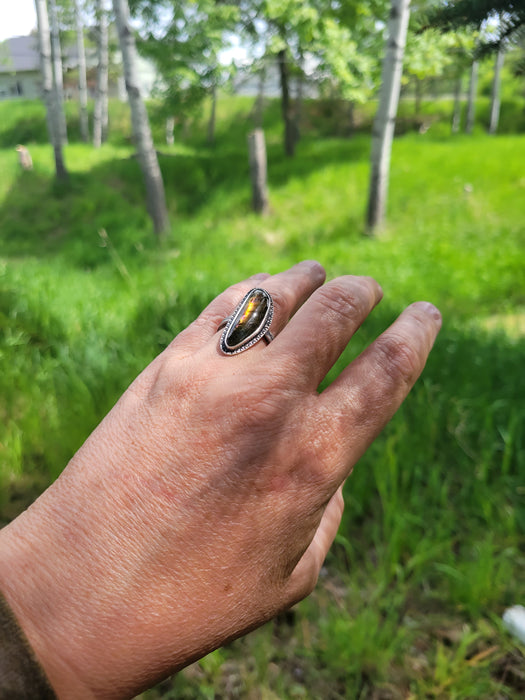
304	577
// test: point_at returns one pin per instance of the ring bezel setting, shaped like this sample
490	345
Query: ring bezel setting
248	324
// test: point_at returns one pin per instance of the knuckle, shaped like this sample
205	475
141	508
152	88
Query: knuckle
399	358
346	298
281	305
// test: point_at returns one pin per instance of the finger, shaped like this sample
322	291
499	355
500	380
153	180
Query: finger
364	397
205	325
288	290
304	576
321	329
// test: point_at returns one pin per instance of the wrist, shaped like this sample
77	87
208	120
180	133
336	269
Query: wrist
20	673
30	580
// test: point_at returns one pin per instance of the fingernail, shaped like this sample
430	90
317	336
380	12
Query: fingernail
431	310
315	267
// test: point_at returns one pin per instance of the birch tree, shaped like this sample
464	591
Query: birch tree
100	112
48	88
462	47
156	198
495	103
332	35
384	123
184	41
428	55
82	81
510	18
58	76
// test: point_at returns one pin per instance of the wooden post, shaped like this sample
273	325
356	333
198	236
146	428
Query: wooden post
472	97
258	170
170	126
456	115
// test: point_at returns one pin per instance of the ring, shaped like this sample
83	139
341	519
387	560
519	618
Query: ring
249	323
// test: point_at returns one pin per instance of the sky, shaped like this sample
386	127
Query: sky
17	18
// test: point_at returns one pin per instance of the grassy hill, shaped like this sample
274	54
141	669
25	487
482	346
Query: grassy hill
432	548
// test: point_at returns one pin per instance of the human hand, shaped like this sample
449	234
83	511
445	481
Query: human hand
206	500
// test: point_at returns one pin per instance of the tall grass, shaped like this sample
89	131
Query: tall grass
431	549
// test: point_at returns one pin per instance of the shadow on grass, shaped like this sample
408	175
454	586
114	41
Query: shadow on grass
42	217
462	427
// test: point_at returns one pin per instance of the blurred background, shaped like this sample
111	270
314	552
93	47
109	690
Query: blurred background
262	131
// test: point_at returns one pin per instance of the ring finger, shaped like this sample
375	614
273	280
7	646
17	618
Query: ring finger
288	290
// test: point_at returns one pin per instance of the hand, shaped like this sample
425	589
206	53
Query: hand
207	499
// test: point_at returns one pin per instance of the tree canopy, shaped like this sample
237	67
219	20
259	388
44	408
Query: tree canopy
461	13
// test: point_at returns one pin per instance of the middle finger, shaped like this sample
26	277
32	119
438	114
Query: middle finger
322	327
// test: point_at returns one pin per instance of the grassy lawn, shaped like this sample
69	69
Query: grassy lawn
432	547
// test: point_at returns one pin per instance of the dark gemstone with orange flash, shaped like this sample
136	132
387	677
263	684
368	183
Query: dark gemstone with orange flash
249	322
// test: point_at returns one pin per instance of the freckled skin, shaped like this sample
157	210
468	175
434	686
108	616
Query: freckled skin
206	500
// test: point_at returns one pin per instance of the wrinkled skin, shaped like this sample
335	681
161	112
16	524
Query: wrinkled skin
206	500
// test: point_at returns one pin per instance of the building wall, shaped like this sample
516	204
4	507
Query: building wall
25	85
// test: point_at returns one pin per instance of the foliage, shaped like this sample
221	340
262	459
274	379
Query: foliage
431	548
430	54
337	44
184	39
463	13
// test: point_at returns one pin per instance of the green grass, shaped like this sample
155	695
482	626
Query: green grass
432	547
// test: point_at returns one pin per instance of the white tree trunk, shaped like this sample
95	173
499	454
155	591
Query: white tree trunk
100	113
49	92
472	90
384	123
496	92
58	77
82	81
156	198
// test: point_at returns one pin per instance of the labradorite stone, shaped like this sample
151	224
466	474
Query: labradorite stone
249	319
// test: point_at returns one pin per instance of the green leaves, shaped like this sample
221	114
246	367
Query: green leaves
184	39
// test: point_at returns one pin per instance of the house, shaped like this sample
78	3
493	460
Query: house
20	68
20	71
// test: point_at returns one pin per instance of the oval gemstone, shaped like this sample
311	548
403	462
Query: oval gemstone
249	320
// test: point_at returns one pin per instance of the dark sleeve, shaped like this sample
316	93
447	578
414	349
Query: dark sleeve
21	677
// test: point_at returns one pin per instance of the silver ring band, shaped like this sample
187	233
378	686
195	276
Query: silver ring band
249	323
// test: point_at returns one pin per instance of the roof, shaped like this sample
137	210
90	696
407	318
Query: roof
19	54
